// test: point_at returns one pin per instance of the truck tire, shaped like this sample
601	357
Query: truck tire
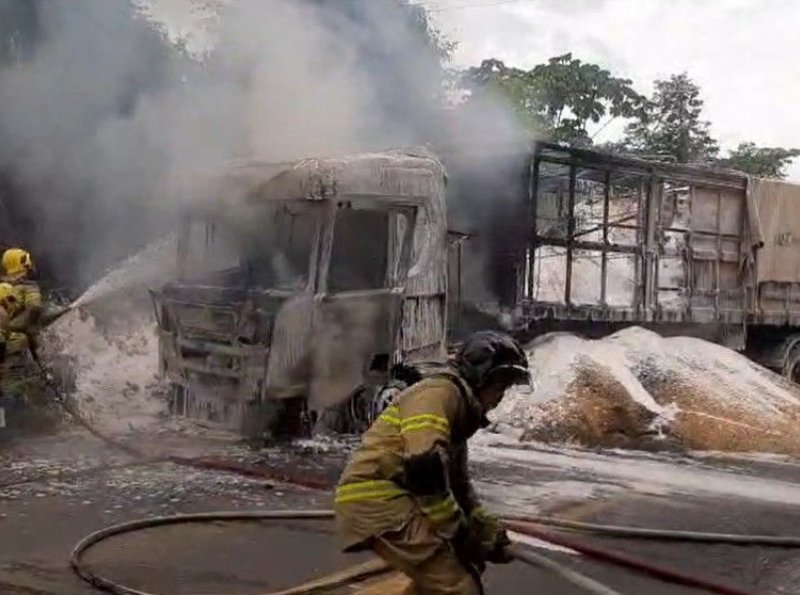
368	402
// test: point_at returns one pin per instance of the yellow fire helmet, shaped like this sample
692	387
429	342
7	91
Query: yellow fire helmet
17	262
9	299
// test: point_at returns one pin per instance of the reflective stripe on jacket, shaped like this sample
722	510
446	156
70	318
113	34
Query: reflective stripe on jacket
26	321
370	499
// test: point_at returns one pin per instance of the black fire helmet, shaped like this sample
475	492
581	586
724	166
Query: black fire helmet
490	356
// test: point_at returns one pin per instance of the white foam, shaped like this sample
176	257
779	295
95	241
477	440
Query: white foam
116	372
642	474
730	388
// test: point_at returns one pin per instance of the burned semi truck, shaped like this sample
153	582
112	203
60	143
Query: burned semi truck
313	291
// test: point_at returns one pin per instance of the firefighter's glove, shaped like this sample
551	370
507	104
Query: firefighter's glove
493	537
500	553
469	548
485	525
426	474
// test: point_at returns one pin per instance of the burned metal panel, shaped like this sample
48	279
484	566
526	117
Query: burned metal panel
611	236
290	349
629	165
395	174
168	356
585	226
717	242
357	326
455	278
213	400
214	349
779	303
349	330
422	326
427	274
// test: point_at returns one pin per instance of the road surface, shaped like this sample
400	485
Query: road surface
40	522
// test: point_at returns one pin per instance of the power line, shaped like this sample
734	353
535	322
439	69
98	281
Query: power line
603	127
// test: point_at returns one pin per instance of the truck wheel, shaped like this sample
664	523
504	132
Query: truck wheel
384	397
368	402
359	407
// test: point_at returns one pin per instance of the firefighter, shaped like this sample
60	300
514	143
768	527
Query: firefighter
7	403
19	271
406	493
16	373
12	342
13	348
9	303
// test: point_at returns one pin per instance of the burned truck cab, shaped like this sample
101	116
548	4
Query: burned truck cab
300	284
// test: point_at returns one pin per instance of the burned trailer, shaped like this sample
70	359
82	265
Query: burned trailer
614	241
302	285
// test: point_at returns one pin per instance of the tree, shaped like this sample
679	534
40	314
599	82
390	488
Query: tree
766	162
671	126
493	80
573	93
557	99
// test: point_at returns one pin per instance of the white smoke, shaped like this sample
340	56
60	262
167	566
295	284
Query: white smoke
120	109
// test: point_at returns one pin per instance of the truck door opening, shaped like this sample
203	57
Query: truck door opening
360	252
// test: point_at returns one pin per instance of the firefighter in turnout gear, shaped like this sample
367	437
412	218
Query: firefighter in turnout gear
11	342
11	345
6	404
18	270
406	492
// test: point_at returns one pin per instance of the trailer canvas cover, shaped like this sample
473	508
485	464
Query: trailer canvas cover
777	229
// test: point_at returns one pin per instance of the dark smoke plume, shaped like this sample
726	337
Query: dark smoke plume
105	119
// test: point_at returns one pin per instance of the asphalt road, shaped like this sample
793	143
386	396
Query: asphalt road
40	523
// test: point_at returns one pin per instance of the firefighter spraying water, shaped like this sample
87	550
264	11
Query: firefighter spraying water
21	302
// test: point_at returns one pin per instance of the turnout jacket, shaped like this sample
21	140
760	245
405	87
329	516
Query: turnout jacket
439	412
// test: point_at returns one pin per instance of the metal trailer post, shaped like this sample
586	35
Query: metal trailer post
570	235
533	199
604	254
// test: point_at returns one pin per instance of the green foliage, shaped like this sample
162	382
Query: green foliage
496	81
765	162
573	93
558	99
671	127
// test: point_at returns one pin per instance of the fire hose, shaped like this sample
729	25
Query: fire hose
528	557
76	558
529	526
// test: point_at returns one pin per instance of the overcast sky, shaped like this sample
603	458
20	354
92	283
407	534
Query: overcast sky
744	54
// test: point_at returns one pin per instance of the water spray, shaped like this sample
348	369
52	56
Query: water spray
49	318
